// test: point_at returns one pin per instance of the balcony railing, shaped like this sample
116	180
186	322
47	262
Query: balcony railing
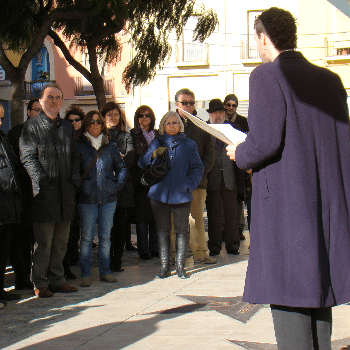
87	90
248	51
33	88
192	53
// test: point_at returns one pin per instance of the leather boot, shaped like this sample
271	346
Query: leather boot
181	251
164	252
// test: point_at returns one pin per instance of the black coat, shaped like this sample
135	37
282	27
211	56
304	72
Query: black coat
49	152
205	147
125	145
10	203
143	211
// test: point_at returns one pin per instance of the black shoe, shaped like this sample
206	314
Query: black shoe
145	256
155	255
25	284
9	296
214	252
69	274
116	268
233	251
130	247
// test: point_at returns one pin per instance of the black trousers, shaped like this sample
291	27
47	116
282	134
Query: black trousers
302	328
230	206
118	236
5	239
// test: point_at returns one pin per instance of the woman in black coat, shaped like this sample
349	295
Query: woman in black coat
120	235
143	134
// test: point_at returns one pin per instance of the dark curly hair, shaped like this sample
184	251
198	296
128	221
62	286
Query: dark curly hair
280	26
144	109
110	106
76	111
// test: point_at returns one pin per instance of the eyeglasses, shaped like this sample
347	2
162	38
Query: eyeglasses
2	119
74	120
144	115
171	124
186	103
231	105
36	109
53	98
97	121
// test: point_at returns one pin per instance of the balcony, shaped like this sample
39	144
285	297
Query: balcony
191	54
81	89
337	51
33	88
249	53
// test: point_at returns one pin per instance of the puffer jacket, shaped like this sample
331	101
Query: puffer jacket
185	169
49	153
106	177
10	202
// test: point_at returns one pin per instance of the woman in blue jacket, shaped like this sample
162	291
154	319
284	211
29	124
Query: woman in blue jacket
173	193
98	195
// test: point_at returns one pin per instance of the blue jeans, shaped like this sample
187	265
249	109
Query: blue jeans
89	215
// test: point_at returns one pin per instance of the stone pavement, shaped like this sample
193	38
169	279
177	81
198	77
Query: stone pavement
202	312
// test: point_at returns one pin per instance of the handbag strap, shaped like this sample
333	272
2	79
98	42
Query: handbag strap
93	162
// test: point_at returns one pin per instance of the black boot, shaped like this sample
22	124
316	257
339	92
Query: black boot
164	252
181	251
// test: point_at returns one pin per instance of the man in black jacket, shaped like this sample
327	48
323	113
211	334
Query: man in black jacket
185	99
10	206
49	152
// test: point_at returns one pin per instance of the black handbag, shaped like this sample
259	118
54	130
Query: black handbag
158	167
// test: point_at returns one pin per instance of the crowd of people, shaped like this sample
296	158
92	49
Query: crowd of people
66	179
57	182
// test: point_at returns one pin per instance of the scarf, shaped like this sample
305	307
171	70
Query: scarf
96	142
149	136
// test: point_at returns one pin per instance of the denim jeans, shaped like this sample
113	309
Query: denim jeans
89	215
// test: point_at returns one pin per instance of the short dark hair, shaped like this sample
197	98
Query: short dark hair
110	106
76	111
137	116
50	85
184	92
87	122
31	102
280	26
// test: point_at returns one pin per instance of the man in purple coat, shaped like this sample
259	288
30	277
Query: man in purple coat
299	149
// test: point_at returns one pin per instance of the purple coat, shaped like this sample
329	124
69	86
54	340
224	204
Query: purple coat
298	148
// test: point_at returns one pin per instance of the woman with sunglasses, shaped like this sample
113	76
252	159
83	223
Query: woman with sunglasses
75	115
172	195
121	232
103	175
143	134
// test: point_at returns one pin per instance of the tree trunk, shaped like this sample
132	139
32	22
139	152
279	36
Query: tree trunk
17	95
96	78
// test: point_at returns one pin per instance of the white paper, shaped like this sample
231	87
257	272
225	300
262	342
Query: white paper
224	132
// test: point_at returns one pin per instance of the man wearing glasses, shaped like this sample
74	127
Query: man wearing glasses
185	99
49	153
231	104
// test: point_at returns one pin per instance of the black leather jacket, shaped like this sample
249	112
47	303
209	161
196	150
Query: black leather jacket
49	152
10	203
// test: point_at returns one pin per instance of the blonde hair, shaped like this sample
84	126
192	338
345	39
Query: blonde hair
167	116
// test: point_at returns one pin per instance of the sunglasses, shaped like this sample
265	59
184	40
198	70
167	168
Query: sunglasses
98	121
185	103
74	120
2	119
231	105
144	115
